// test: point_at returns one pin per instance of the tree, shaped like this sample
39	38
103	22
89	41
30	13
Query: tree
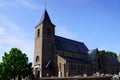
111	53
1	72
15	64
108	53
102	52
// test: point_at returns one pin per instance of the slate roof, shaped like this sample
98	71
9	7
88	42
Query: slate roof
70	45
45	17
92	54
113	60
78	60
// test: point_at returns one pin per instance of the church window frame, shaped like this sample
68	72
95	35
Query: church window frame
37	58
38	33
48	31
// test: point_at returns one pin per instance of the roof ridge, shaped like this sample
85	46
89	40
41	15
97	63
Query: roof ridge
70	39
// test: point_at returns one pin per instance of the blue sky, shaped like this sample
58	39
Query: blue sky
94	22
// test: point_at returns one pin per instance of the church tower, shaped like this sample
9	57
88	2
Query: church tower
44	52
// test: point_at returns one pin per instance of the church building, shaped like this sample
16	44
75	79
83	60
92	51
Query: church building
61	57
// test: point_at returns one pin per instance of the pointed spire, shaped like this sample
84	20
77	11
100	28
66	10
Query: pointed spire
45	17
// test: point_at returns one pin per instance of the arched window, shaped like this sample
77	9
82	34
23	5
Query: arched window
37	58
38	32
48	31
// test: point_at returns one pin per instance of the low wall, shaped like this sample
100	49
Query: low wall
78	78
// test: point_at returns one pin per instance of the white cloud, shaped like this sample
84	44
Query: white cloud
7	3
63	31
28	4
14	3
13	37
2	31
8	23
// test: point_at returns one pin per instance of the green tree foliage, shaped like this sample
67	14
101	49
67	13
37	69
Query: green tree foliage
1	70
108	53
101	53
111	53
14	64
